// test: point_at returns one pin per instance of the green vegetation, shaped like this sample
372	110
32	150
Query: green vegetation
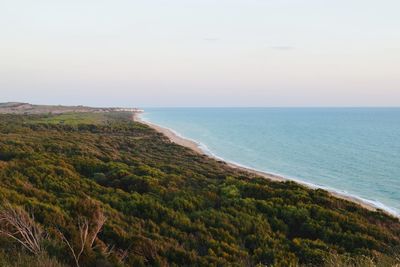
79	118
164	204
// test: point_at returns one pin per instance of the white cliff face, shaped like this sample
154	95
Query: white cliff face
129	109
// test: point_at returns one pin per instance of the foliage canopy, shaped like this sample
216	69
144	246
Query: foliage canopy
167	205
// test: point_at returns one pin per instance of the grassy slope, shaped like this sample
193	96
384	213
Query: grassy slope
167	205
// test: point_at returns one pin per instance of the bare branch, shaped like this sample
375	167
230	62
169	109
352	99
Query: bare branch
87	234
71	248
18	225
97	226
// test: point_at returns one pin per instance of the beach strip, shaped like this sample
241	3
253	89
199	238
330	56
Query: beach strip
196	147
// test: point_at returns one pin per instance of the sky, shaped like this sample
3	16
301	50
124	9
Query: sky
170	53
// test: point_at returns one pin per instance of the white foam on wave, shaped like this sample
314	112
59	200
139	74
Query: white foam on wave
374	203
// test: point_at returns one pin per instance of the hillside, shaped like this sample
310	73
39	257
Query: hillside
29	109
163	204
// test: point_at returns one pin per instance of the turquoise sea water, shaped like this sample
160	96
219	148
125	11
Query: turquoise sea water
355	151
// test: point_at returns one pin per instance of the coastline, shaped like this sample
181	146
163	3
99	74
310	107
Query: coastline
176	138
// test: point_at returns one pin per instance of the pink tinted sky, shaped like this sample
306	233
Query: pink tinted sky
201	53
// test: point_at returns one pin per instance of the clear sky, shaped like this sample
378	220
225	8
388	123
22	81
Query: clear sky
201	52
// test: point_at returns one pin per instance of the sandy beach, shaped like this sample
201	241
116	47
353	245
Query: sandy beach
195	146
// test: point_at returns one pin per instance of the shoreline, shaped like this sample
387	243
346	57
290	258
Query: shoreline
180	140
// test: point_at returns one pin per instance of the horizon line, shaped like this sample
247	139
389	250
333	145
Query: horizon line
198	106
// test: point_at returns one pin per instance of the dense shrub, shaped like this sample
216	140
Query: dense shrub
166	205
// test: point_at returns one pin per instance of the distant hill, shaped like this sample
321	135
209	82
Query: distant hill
26	108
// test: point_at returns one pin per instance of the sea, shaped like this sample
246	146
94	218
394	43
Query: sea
352	151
